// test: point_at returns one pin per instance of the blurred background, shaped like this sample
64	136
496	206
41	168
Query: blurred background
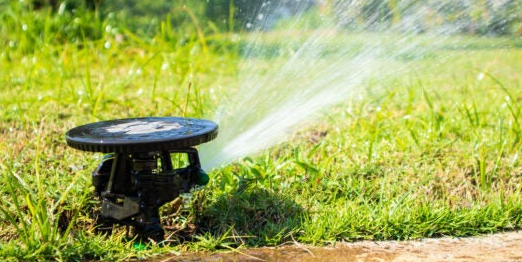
478	17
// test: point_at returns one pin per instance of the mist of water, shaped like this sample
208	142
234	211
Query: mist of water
309	72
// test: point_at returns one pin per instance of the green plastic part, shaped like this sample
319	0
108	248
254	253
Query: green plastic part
202	178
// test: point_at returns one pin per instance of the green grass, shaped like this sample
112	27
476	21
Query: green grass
434	151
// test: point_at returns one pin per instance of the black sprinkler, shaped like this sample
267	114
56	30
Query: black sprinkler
137	176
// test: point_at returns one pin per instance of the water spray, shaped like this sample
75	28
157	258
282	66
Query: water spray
137	175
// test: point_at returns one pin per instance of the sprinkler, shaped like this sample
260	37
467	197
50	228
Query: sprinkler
137	176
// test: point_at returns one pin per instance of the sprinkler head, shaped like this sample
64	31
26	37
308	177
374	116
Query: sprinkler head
137	175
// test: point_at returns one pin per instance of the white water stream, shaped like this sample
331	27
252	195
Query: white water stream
309	71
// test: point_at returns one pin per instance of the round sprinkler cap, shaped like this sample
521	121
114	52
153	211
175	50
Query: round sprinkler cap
140	135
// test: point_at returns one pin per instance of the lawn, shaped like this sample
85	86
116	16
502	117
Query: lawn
426	144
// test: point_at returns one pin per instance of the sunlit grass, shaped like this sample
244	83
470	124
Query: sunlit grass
433	151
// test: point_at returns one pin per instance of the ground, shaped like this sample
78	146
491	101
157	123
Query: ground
502	247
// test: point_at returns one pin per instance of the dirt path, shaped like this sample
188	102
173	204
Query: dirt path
503	247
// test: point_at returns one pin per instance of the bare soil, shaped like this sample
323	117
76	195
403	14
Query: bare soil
502	247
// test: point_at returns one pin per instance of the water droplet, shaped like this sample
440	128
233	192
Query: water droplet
61	9
76	167
164	66
249	25
235	38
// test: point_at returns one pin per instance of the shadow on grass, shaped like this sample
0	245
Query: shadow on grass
254	217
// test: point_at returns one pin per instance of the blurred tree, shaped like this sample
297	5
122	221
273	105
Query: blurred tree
487	17
376	14
71	4
221	13
504	17
253	14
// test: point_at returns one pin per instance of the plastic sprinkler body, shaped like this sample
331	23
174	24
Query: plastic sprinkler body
137	176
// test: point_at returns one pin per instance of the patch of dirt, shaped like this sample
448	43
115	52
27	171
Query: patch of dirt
503	247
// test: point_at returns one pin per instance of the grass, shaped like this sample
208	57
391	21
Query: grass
431	152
